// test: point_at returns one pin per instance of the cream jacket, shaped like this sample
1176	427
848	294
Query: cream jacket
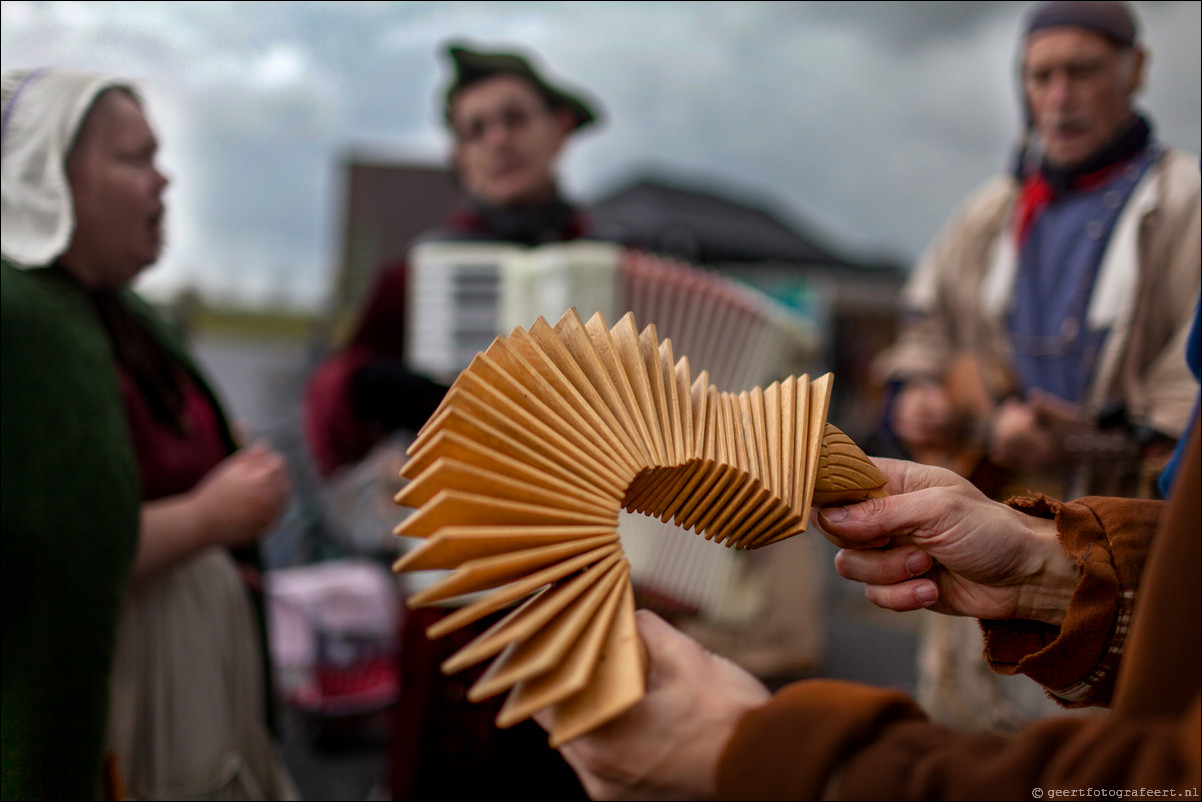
959	295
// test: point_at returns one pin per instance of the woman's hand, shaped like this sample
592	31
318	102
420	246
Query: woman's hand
233	505
241	497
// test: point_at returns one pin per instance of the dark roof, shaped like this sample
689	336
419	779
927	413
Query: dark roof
703	226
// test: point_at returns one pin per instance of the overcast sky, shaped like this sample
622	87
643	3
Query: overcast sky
863	123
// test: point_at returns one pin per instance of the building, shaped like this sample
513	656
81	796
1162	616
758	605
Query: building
386	205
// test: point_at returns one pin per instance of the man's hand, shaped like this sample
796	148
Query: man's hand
938	542
1029	436
668	745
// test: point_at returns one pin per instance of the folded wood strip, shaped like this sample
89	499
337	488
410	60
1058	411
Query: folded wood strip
519	477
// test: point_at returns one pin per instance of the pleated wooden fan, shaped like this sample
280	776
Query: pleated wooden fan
519	477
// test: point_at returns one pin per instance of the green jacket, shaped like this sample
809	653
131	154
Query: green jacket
70	526
71	499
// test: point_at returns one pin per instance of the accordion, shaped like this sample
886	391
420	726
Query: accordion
463	295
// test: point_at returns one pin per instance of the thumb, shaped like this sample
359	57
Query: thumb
667	648
257	450
866	525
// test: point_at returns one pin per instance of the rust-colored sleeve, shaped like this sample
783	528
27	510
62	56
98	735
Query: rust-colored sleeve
786	749
828	739
1109	538
922	760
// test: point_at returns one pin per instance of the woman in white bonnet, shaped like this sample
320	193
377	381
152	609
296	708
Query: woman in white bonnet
130	516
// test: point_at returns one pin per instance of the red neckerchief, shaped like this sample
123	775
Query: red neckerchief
1037	194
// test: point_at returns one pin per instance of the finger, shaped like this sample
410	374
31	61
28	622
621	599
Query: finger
867	525
544	718
275	462
260	472
916	594
913	514
878	543
263	450
883	567
250	453
816	522
264	461
670	653
242	433
1053	408
905	476
665	644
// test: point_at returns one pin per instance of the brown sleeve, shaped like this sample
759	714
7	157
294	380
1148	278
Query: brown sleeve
922	760
785	749
1077	662
828	739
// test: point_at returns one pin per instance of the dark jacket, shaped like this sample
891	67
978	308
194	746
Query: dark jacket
363	391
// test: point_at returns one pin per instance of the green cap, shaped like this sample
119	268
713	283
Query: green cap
472	66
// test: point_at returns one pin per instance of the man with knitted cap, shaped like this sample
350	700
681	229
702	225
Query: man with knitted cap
1046	325
509	125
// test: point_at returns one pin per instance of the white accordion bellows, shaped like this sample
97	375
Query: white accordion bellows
464	294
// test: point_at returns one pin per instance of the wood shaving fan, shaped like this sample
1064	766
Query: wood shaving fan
519	476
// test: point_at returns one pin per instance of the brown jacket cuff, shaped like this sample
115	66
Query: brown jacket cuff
790	747
1077	662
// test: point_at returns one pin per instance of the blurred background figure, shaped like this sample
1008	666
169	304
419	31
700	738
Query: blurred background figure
509	127
118	462
1047	324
